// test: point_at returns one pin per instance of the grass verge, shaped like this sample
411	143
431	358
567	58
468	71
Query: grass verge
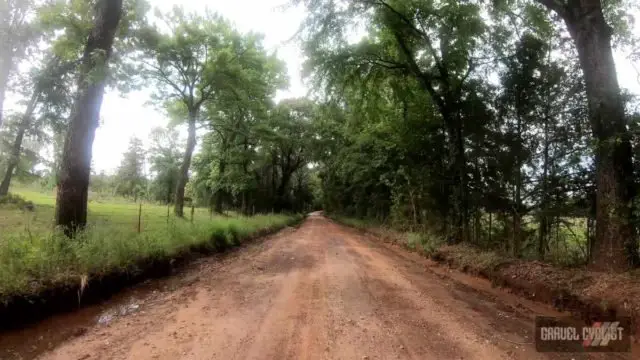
49	273
29	264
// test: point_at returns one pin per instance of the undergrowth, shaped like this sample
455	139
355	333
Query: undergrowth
465	257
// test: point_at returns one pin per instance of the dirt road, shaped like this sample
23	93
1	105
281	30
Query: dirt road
321	291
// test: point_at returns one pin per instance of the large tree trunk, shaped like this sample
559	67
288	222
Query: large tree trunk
616	246
183	177
517	209
17	144
543	231
73	185
458	211
282	199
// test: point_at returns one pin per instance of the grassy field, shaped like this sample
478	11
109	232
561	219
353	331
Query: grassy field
115	211
34	257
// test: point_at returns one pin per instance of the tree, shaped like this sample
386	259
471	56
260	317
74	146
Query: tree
17	31
49	86
71	201
434	43
288	144
130	178
413	132
190	64
254	160
519	101
616	245
164	158
234	117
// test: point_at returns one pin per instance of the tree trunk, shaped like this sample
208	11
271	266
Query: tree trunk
219	193
282	200
183	176
490	228
5	70
169	192
543	231
616	246
73	185
457	175
517	216
17	144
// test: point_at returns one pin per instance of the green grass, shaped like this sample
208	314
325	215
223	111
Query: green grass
115	211
33	257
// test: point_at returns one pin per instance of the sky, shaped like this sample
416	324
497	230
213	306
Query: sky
126	115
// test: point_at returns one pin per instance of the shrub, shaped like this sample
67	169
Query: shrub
16	202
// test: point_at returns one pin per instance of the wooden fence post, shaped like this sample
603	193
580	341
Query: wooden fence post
139	217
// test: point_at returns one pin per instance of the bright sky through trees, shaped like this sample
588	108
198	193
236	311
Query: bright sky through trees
124	117
128	116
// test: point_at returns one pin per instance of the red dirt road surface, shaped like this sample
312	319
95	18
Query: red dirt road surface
321	291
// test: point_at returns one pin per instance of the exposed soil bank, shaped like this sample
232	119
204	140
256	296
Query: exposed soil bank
585	294
21	310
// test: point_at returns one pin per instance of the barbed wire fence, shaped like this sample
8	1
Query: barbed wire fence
137	217
143	216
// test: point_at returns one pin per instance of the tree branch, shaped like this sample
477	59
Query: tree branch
423	78
559	6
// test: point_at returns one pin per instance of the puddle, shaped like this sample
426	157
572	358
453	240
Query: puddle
132	306
34	340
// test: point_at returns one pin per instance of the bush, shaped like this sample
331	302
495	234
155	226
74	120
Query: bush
16	202
426	242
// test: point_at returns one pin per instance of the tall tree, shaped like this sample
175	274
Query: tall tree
17	30
234	116
164	160
189	63
73	185
288	144
616	244
433	42
48	89
130	176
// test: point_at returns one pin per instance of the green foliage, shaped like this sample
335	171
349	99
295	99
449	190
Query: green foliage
256	156
438	121
72	20
191	60
130	178
165	158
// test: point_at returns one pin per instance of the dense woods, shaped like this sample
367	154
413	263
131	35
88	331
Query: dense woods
497	124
